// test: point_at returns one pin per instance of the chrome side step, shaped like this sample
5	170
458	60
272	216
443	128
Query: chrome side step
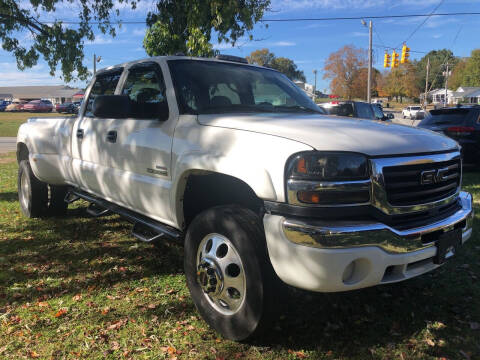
144	228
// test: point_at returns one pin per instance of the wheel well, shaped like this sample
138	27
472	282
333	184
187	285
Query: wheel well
22	152
203	191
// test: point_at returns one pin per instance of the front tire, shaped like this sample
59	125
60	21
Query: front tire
32	193
228	271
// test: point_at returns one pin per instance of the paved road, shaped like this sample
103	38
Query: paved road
7	144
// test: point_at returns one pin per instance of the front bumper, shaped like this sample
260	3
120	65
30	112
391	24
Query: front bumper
339	256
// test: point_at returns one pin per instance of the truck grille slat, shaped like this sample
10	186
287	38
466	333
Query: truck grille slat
403	184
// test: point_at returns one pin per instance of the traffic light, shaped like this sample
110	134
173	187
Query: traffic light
386	61
405	54
395	61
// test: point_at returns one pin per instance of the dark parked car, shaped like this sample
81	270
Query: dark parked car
461	124
67	107
4	104
356	109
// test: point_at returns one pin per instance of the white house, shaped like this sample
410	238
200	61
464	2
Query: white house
308	88
466	94
463	94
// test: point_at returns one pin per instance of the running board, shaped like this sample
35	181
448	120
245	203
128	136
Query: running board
144	228
96	211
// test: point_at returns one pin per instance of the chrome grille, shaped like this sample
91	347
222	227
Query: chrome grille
421	183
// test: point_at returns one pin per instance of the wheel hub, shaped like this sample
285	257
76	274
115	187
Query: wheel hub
209	277
220	273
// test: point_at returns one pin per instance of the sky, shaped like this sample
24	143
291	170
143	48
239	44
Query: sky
308	43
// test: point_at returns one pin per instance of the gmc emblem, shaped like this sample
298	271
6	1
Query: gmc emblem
429	177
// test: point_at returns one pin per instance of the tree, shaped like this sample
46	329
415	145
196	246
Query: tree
342	67
264	57
401	82
458	74
438	58
471	76
187	26
59	45
261	57
288	67
359	84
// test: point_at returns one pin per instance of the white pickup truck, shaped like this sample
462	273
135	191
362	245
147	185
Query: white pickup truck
237	162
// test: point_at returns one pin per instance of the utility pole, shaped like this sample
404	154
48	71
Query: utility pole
315	86
369	82
446	83
425	100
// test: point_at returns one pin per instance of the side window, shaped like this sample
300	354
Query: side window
147	92
378	113
105	84
364	111
223	94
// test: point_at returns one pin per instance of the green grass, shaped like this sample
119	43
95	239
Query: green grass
11	121
77	287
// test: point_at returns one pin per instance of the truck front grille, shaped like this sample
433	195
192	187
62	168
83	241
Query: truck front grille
421	183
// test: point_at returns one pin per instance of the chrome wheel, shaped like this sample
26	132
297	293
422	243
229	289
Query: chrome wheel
24	190
220	273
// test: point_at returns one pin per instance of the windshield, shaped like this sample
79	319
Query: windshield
207	87
415	108
446	116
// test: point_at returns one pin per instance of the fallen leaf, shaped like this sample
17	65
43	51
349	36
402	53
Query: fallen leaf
152	306
61	312
43	304
430	342
77	297
105	310
33	354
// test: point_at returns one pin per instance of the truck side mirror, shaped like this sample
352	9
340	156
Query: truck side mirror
111	106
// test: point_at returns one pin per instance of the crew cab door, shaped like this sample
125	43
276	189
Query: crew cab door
139	146
90	158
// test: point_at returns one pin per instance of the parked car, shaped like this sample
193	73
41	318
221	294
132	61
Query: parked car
16	105
77	105
411	111
461	124
67	107
260	194
356	109
4	104
379	114
38	106
378	102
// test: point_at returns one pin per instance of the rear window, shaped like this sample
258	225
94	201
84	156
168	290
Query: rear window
340	110
415	108
447	116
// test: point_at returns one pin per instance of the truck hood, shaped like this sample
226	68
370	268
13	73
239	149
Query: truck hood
323	132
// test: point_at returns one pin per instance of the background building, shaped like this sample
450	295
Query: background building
57	94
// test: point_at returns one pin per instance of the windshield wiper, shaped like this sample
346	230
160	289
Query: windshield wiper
297	108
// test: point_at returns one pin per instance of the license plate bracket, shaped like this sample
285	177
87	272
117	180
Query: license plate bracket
448	243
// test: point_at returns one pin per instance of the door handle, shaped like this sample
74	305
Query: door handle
112	136
80	133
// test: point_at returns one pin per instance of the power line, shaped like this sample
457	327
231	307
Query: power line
72	22
424	21
371	17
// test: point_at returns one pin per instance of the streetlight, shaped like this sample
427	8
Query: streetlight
315	86
369	81
95	60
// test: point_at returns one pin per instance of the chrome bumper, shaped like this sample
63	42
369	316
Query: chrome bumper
328	235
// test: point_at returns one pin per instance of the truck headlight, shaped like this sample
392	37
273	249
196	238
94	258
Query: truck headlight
328	178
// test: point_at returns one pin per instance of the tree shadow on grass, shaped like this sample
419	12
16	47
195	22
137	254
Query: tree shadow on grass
89	250
8	196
